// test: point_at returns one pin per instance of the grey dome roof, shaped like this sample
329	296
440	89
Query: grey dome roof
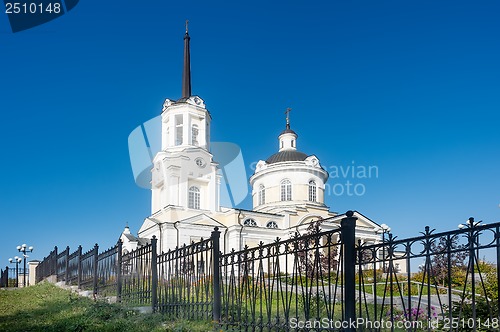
288	131
287	155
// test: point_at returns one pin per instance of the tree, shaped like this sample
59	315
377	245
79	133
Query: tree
317	254
457	253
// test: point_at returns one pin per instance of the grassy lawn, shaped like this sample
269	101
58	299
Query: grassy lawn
47	308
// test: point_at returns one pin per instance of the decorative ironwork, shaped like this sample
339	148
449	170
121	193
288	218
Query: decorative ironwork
62	267
446	281
73	266
47	266
10	277
185	280
268	286
137	276
88	268
107	272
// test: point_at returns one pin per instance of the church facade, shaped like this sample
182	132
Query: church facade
288	188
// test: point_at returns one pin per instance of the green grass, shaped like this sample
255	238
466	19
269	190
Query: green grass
47	308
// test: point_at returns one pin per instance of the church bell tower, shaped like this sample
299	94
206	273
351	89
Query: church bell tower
184	174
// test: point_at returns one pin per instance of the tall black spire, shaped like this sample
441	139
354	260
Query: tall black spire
186	72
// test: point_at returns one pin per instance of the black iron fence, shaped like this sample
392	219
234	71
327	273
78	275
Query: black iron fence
137	275
47	267
450	281
315	281
296	279
73	267
88	266
177	282
4	277
92	270
10	277
187	285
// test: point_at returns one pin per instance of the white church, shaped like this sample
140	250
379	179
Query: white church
288	188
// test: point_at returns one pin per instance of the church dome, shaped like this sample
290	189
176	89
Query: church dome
289	178
288	131
286	155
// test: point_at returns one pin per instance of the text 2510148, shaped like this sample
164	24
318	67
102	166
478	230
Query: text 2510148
32	8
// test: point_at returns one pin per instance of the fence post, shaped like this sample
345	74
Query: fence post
473	242
6	277
79	272
119	271
66	267
96	261
53	268
154	274
497	242
348	228
217	306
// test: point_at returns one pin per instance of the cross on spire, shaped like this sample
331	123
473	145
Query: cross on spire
287	112
187	26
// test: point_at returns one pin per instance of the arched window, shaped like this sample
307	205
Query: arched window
286	190
194	135
250	222
272	224
262	195
194	198
312	191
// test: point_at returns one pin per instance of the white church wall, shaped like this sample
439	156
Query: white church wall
297	173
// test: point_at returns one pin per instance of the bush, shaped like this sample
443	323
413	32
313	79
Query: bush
368	275
310	306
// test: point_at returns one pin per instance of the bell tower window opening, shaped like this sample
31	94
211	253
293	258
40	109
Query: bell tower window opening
286	190
194	198
262	195
312	191
178	129
194	135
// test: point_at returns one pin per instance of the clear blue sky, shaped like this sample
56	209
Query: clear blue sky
411	87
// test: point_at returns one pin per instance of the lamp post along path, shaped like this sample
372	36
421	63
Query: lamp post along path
24	249
384	229
16	261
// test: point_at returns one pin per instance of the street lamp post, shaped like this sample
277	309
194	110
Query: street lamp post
384	229
16	261
24	248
